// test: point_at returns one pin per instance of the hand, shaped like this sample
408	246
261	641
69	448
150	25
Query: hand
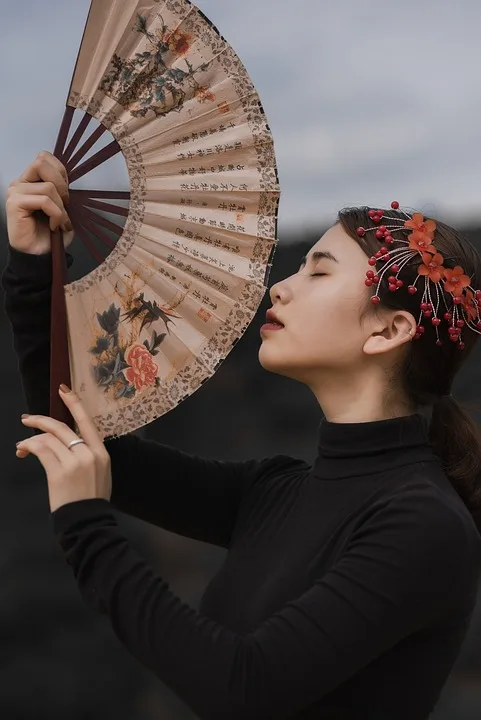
81	473
42	187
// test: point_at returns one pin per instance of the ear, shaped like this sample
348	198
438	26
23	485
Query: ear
391	331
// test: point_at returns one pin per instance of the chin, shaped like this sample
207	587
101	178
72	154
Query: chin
273	361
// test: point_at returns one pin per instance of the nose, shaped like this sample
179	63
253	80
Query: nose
280	292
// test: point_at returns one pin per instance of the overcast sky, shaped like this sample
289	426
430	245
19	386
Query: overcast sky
368	100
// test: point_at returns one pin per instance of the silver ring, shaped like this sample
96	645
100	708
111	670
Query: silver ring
75	442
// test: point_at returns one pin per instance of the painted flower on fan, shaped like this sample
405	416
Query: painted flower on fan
456	280
179	42
418	224
143	371
203	94
432	266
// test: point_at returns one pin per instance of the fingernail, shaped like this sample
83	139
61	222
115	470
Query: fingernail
65	388
25	416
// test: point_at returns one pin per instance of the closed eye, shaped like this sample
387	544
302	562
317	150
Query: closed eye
318	274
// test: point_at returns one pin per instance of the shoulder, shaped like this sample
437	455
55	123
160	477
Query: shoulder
279	472
420	526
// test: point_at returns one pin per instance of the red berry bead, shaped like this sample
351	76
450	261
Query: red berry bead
459	323
372	261
461	346
371	214
375	300
395	268
399	283
361	231
379	234
370	274
395	205
436	321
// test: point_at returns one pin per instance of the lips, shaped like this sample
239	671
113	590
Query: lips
272	319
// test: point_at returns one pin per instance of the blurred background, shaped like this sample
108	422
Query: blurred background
368	101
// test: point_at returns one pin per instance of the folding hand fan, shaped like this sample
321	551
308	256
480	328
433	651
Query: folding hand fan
176	285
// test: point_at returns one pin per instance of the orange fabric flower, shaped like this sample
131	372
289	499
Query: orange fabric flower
421	243
420	225
432	266
469	306
456	280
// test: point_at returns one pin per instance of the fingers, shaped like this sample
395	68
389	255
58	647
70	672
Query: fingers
85	424
18	191
24	205
48	168
49	450
59	430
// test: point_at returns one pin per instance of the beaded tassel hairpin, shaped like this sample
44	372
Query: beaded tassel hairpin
466	300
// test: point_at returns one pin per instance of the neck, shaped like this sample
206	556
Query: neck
358	400
348	450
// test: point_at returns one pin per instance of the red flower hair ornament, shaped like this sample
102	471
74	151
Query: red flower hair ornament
466	301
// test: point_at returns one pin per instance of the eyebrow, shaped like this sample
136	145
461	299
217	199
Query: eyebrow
319	255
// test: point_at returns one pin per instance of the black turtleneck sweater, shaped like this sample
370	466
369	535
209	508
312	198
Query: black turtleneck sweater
347	588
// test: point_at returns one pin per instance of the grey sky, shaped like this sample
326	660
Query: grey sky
368	100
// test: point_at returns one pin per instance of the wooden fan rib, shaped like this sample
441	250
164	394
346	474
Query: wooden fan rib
63	132
81	216
107	194
106	207
75	139
83	150
100	157
82	232
116	229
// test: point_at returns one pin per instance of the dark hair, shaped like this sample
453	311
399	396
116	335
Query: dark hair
427	370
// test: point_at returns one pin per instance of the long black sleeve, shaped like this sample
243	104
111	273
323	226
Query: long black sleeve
191	496
380	591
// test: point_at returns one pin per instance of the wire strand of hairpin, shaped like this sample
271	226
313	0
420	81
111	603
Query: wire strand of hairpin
402	256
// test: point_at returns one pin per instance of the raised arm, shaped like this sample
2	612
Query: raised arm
191	496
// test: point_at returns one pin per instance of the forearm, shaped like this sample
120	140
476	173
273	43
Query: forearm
27	285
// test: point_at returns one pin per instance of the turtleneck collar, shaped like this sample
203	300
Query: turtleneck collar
354	449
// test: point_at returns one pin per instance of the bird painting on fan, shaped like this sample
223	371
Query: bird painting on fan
148	81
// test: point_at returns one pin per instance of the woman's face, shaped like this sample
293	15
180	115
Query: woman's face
319	307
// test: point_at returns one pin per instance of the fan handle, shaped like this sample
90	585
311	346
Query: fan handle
59	349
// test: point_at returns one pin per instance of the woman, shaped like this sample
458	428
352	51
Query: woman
348	586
